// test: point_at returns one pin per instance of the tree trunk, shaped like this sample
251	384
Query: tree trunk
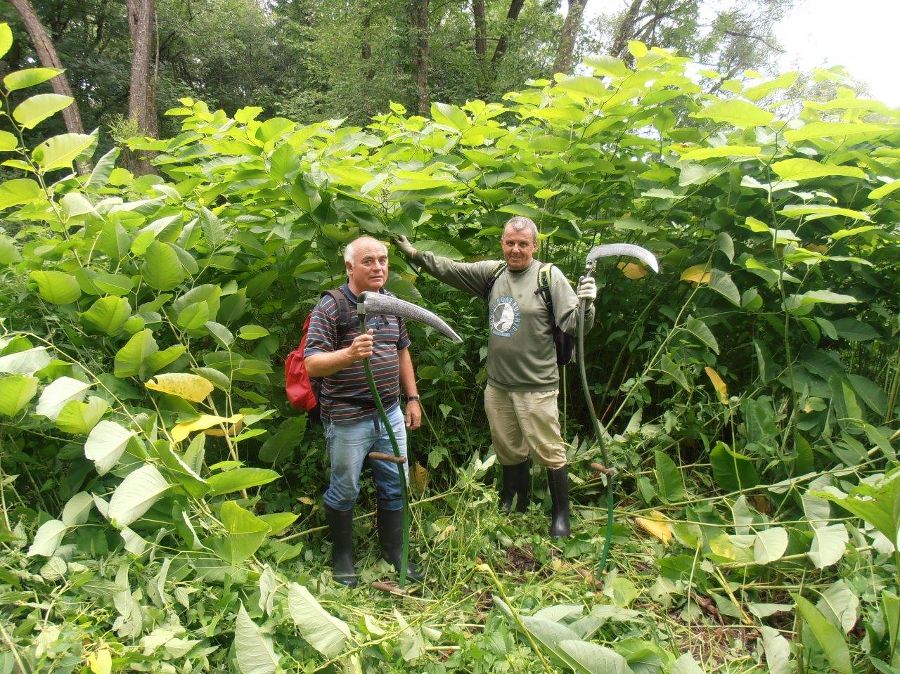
141	99
626	30
421	47
480	29
571	29
515	6
46	52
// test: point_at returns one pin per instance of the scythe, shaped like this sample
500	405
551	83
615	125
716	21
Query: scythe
373	303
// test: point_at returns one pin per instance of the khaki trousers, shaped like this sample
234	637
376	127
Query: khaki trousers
524	423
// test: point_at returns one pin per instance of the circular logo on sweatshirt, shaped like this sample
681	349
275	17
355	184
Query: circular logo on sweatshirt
505	316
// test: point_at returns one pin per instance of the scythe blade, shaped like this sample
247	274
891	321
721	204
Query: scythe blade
371	303
622	249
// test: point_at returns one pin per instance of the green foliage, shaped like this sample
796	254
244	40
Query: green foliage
145	321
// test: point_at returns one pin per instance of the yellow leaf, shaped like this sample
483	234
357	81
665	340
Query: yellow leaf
718	384
656	525
231	431
204	421
100	662
632	270
699	273
188	386
306	500
419	477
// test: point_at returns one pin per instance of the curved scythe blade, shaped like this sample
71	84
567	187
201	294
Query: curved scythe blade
619	249
384	305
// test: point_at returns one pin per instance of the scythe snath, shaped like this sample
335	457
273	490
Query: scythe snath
597	252
372	303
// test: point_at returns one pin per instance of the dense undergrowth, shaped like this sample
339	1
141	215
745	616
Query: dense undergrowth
160	502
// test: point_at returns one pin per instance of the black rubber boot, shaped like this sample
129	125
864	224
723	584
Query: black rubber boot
516	482
558	481
340	524
390	535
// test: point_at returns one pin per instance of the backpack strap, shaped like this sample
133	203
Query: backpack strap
344	311
493	279
544	274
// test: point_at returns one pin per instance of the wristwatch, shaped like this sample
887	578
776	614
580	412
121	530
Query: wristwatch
410	399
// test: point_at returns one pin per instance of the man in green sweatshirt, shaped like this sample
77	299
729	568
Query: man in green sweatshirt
523	375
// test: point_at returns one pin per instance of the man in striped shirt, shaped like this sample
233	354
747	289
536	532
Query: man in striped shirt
335	353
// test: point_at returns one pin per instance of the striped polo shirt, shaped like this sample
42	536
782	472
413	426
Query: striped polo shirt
345	396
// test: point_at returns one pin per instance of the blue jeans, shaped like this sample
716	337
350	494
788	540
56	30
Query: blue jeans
348	445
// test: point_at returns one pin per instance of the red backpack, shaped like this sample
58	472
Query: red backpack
301	389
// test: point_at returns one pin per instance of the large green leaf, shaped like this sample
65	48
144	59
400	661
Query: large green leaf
16	391
131	359
877	503
732	470
136	494
8	141
253	650
47	538
722	283
77	509
742	151
29	77
818	211
551	635
6	38
162	268
102	169
668	478
59	392
802	301
9	253
246	532
106	444
28	361
735	112
61	151
807	169
32	111
594	658
770	545
280	446
777	650
19	191
239	478
57	287
828	545
320	629
829	638
840	604
700	330
78	418
108	315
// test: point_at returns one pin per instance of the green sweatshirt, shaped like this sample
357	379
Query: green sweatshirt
521	354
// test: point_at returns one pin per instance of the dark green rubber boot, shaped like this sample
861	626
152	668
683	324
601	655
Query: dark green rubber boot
558	481
390	535
516	483
340	524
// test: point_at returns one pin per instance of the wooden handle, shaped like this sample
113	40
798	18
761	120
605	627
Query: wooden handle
603	470
381	456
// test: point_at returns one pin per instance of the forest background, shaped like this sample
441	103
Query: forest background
173	208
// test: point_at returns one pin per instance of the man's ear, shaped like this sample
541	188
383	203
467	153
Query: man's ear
348	266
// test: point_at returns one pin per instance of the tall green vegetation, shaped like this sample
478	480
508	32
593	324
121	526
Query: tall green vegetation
747	388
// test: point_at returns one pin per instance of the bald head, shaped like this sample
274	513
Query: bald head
366	260
362	240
